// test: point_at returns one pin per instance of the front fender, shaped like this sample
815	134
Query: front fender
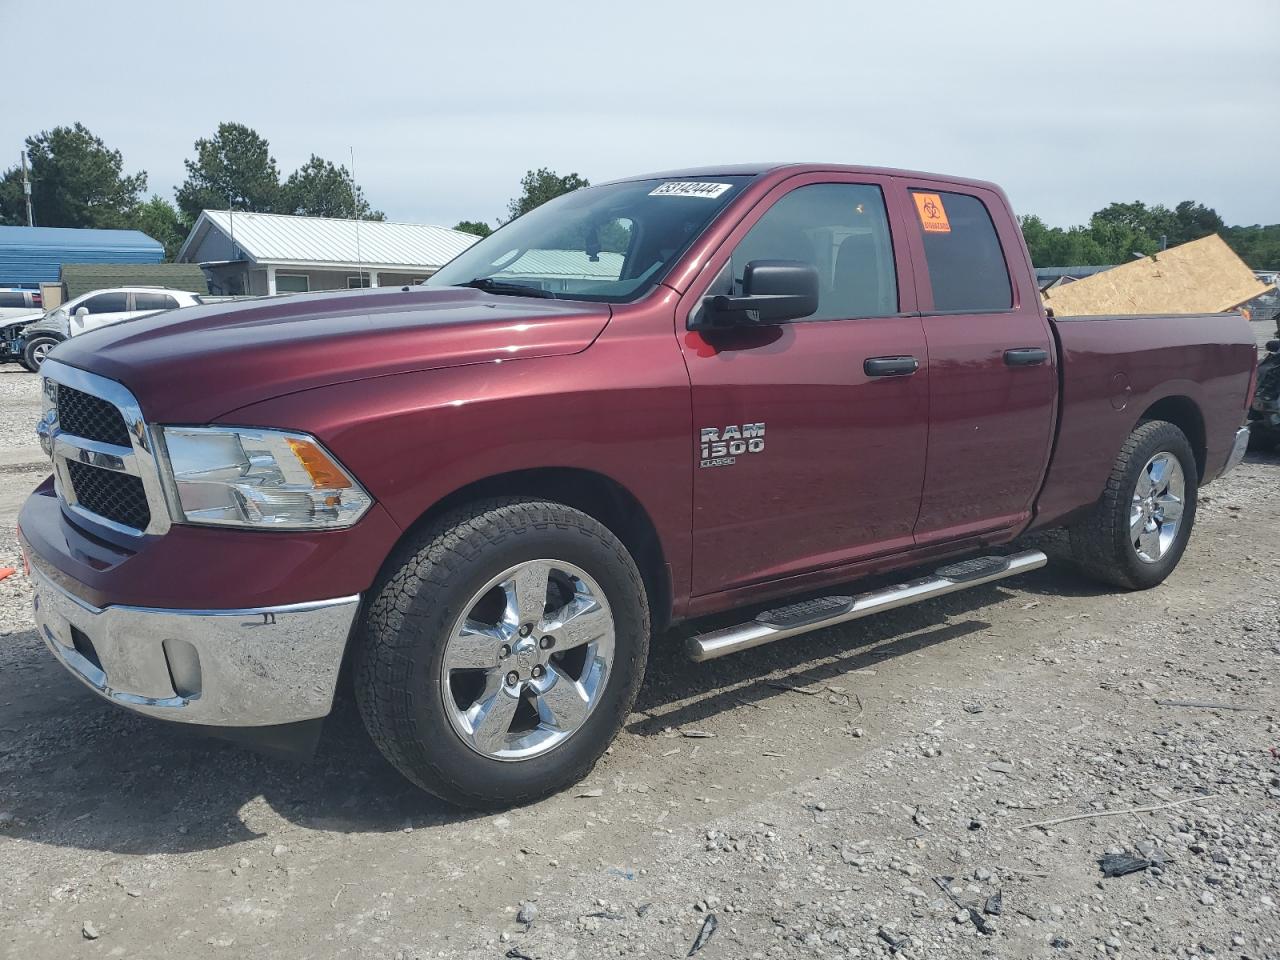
413	439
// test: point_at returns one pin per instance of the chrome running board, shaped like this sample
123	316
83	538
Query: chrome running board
808	615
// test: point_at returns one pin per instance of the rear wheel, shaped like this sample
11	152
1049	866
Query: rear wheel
1140	527
502	652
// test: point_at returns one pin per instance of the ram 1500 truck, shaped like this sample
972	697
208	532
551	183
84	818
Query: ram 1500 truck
645	402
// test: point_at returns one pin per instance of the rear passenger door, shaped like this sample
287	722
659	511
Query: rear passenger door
809	436
992	376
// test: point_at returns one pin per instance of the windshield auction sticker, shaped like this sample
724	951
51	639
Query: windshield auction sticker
690	188
933	215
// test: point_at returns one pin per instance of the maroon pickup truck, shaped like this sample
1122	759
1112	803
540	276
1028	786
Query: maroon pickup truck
642	403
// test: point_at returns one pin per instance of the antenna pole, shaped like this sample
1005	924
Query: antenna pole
355	213
26	188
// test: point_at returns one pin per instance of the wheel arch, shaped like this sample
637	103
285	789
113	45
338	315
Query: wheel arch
1185	414
595	494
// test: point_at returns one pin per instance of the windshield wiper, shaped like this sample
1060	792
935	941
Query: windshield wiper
490	285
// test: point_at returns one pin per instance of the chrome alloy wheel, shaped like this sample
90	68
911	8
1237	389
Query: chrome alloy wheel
40	351
1156	511
528	660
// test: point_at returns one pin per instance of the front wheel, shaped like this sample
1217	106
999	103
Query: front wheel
1140	527
502	651
36	349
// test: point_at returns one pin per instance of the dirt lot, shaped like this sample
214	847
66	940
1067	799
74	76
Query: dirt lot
809	796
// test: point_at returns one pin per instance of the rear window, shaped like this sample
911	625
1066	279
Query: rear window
153	301
966	263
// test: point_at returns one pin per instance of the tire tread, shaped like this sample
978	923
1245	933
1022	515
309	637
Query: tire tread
1100	542
383	677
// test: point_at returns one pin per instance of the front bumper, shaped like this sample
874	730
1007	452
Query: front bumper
242	668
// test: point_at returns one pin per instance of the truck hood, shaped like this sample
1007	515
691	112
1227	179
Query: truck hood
194	364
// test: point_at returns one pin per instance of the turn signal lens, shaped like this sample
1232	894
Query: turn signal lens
324	472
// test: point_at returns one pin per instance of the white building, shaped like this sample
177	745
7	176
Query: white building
268	253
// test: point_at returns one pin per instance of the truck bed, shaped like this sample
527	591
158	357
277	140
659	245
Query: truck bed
1118	369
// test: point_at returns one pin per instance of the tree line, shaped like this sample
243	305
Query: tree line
78	181
1119	230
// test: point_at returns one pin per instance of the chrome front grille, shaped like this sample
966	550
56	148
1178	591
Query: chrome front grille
104	464
84	415
120	497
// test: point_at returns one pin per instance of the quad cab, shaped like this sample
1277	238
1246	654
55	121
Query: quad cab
709	392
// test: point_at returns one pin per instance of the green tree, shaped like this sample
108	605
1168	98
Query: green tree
1135	217
1055	247
539	186
159	220
1186	222
1191	221
478	227
1119	230
76	181
1120	240
233	168
320	188
13	208
1256	245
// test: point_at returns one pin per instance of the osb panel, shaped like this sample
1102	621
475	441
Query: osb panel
1203	276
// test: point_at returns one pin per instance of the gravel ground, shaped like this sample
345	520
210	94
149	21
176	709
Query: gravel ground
865	791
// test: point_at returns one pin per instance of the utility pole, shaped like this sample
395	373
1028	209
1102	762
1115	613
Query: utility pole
26	189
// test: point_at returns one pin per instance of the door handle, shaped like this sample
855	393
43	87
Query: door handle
890	366
1026	356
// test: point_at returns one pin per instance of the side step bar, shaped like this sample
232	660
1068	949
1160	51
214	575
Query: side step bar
808	615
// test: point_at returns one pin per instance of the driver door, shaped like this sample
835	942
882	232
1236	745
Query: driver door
807	456
101	309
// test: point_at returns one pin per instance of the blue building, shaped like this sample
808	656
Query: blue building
30	256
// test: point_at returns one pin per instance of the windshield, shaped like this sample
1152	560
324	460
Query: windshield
610	243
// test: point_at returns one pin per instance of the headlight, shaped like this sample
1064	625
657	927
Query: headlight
259	478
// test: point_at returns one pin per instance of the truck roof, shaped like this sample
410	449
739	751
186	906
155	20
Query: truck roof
791	169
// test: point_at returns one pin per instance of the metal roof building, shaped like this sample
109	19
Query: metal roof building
267	253
34	255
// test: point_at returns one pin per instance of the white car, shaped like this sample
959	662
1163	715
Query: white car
16	302
91	311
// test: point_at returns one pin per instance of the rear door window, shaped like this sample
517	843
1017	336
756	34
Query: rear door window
153	301
967	267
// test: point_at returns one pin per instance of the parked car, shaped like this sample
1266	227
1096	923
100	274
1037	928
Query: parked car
18	307
1264	413
90	311
484	495
18	302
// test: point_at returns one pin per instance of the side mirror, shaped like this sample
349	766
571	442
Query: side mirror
82	312
773	291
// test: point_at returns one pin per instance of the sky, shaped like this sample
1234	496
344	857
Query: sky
1068	106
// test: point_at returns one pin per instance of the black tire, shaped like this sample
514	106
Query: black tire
1263	439
29	359
398	661
1101	544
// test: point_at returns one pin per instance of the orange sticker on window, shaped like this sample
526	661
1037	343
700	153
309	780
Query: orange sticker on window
933	215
